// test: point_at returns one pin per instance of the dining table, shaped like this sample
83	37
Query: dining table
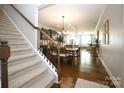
72	50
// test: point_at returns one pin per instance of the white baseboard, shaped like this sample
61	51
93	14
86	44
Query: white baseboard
112	77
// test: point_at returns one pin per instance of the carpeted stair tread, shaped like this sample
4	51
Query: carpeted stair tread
20	78
22	65
9	32
20	49
18	57
10	36
2	24
40	81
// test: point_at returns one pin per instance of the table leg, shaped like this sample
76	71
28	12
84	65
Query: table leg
73	63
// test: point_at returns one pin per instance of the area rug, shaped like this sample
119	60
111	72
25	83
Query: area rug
81	83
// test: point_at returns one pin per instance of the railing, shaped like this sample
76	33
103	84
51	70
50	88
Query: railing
4	55
49	38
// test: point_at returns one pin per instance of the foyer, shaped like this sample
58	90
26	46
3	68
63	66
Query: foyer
56	45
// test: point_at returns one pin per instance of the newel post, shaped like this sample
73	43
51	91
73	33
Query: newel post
4	56
58	68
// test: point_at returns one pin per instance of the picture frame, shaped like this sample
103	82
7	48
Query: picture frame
107	31
104	33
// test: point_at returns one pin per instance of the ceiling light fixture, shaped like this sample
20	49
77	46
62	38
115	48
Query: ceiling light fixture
63	26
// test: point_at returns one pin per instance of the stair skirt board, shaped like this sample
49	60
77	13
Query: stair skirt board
25	67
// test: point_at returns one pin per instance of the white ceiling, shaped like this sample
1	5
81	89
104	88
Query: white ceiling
84	16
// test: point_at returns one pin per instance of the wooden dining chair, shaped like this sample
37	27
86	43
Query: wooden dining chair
53	54
69	46
63	55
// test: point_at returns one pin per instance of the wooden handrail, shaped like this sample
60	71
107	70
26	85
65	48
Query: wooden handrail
4	55
39	29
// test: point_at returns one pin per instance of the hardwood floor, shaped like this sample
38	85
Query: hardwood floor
88	67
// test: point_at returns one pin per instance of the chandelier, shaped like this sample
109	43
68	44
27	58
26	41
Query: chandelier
63	32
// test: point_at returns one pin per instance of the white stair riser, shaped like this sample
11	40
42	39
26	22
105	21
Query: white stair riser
21	52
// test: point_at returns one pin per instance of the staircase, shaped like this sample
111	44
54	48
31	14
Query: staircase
26	68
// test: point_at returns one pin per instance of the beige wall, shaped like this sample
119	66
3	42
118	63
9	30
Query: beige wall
112	54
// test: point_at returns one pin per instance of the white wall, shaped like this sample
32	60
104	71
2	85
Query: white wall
112	54
29	11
